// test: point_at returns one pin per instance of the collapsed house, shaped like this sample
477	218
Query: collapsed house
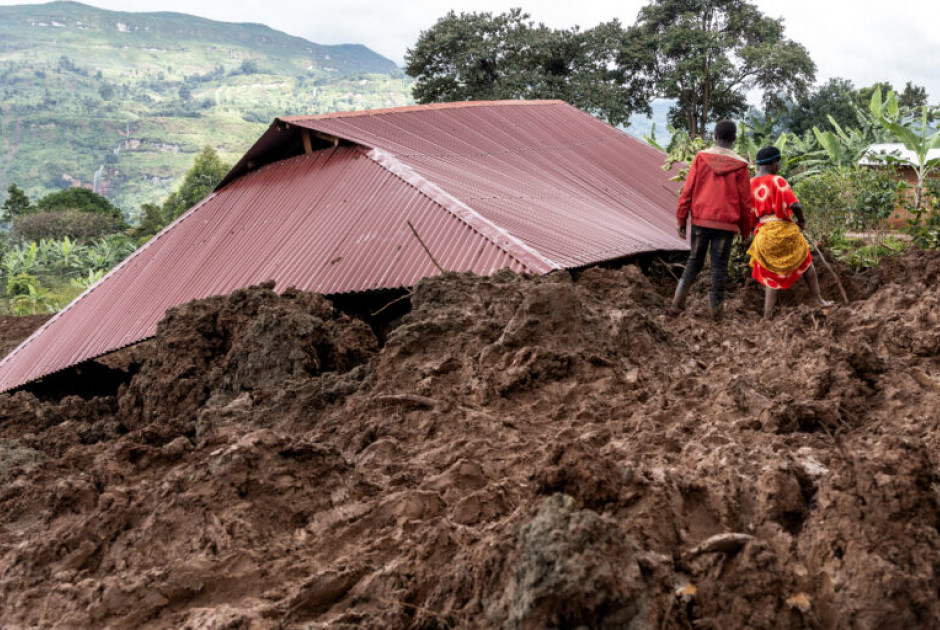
375	200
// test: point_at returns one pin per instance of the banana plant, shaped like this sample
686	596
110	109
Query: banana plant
843	148
69	253
106	253
83	283
22	259
35	300
682	148
917	137
47	254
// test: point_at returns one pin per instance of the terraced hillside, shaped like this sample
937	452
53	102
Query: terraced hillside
123	101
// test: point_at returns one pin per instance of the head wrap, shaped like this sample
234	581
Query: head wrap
768	155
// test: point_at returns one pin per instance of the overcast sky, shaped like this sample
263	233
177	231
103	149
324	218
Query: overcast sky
861	40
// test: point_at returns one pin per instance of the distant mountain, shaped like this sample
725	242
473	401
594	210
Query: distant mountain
121	102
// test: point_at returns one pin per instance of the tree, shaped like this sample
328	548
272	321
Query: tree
707	54
204	175
470	56
151	221
583	69
916	136
81	226
16	204
79	200
865	94
836	98
914	97
478	56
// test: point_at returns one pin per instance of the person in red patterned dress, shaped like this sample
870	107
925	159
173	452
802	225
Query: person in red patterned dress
779	253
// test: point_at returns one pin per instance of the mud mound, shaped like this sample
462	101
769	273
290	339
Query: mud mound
521	453
13	330
250	343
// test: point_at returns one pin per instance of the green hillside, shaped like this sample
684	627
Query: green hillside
123	101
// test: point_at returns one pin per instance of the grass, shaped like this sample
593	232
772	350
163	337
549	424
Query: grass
867	251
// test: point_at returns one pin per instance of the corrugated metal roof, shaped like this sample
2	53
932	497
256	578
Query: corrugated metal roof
571	187
532	186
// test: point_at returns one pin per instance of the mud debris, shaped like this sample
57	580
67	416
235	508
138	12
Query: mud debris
518	453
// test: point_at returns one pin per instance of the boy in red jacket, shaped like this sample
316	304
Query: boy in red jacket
717	193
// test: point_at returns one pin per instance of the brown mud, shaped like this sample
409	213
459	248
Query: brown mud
519	453
13	330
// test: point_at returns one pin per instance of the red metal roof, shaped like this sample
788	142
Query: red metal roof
532	186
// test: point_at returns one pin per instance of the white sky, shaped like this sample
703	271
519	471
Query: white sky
861	40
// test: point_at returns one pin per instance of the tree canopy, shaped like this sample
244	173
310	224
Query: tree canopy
207	171
79	200
16	204
707	54
837	98
479	56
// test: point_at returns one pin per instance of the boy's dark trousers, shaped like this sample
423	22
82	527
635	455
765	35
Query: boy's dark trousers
719	242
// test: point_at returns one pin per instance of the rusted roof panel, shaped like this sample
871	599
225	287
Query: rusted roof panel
323	203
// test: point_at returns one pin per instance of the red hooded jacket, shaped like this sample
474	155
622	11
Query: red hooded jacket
717	191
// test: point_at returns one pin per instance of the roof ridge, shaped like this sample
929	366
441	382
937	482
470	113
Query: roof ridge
512	245
420	108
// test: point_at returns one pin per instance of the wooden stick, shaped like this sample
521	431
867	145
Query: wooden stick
413	400
831	270
428	251
395	301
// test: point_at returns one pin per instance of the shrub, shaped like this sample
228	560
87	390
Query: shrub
81	226
28	297
841	199
825	202
21	284
924	226
80	200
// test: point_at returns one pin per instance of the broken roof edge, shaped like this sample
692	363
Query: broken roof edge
528	257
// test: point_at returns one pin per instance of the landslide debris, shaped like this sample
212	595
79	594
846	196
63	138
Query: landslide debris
519	453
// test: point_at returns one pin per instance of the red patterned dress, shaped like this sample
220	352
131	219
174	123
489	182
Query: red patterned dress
779	253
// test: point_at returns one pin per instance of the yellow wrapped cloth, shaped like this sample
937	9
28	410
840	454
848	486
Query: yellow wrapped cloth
779	254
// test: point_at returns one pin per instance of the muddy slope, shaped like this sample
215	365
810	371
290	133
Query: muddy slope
520	453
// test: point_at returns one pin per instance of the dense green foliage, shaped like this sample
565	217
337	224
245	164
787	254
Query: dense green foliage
81	226
201	179
836	98
78	200
122	102
479	56
207	171
61	250
841	199
43	276
77	213
915	133
707	54
924	225
17	203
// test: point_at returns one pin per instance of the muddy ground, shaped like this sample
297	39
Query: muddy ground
517	452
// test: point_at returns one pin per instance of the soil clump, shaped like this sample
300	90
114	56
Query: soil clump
520	452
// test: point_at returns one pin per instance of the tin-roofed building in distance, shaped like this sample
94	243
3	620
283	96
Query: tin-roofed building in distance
375	200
